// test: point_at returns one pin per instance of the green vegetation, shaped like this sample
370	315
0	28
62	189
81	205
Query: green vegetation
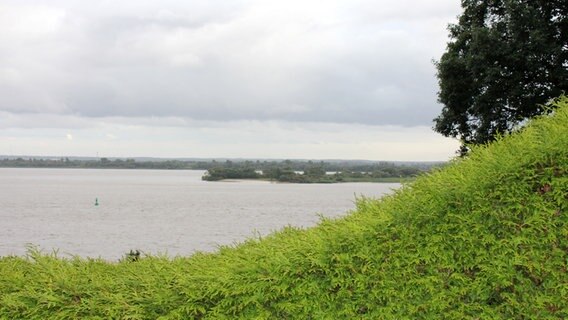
284	171
316	173
505	60
102	163
216	174
486	237
294	171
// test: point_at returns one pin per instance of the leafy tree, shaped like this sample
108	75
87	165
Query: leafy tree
315	171
220	173
506	59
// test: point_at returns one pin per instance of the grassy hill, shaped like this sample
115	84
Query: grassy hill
484	238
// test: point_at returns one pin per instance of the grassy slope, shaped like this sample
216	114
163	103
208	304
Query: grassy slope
486	237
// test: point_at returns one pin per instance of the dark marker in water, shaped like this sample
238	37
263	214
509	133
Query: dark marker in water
96	201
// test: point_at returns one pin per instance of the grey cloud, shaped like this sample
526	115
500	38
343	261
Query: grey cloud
362	62
42	121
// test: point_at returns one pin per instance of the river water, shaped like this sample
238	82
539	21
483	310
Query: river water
155	211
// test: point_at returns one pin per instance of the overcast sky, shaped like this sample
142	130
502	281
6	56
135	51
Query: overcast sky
341	79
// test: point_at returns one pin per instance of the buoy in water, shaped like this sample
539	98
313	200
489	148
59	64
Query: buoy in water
96	201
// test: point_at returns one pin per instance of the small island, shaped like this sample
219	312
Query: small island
309	172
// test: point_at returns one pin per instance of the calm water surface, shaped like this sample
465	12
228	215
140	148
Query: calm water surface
171	212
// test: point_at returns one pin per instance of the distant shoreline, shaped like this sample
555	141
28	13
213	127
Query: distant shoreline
264	180
290	171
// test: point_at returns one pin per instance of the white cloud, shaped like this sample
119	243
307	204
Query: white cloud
240	139
28	23
341	61
326	78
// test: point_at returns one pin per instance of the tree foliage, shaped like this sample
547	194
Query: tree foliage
506	59
315	173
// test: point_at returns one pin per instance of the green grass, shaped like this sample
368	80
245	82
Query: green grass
483	238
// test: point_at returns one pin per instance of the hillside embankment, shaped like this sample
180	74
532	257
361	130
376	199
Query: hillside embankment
486	237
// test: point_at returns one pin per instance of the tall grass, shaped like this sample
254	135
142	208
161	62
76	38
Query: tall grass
484	238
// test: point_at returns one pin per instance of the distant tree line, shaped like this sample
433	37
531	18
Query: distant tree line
102	163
